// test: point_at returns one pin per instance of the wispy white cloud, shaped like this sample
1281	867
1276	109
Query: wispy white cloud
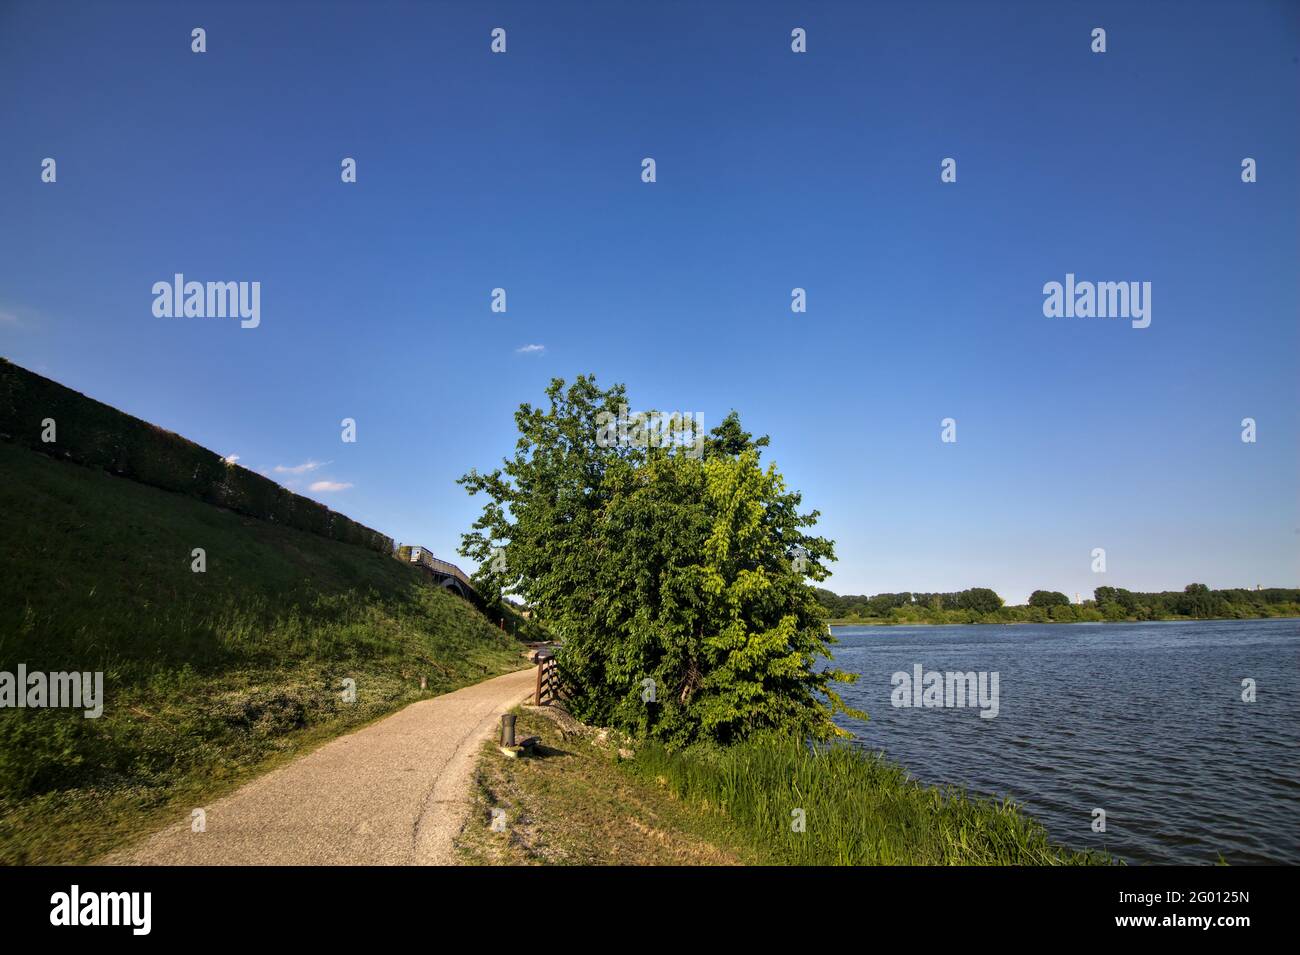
231	458
328	486
21	315
299	468
530	349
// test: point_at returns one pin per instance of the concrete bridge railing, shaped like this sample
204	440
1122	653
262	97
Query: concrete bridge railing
445	572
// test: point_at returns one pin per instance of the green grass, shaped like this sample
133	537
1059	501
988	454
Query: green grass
210	678
580	803
858	809
572	804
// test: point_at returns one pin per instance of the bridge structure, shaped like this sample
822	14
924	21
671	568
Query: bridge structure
444	573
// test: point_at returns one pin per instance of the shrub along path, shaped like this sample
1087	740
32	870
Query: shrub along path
395	793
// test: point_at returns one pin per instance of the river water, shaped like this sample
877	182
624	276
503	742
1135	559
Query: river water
1144	721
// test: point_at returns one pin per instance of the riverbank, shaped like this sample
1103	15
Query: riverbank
1074	731
592	797
994	622
1106	605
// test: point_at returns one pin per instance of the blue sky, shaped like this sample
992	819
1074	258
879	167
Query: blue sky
775	170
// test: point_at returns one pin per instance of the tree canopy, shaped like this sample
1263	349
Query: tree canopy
675	573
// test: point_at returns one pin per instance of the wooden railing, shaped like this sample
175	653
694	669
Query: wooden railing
550	689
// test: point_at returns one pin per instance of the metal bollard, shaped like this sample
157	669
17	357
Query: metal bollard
507	729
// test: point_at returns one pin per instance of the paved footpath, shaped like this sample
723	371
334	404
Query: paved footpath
394	793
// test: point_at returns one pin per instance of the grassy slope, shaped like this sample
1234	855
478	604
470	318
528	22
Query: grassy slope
209	678
580	804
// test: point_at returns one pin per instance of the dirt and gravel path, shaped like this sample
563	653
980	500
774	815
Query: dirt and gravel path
394	793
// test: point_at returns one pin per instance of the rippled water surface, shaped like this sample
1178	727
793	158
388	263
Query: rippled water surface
1145	721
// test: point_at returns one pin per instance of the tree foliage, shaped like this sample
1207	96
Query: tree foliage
675	575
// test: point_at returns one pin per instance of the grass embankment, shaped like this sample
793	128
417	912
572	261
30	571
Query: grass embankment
579	802
857	809
209	678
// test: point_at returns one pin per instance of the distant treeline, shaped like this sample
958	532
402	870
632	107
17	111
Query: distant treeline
982	605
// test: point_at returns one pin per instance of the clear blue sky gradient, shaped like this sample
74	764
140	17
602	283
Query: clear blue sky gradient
775	170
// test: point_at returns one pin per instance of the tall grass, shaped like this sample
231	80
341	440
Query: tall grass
858	809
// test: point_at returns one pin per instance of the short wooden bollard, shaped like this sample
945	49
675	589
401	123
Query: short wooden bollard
424	682
507	729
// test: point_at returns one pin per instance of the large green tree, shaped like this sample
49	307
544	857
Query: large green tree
677	573
980	599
